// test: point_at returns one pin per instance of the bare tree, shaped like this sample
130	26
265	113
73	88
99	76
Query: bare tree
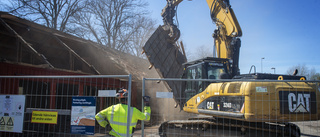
303	70
112	23
51	13
315	76
145	27
85	26
203	51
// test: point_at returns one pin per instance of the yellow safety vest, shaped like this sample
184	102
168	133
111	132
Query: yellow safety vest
117	117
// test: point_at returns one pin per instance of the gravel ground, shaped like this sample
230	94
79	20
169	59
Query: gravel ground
308	129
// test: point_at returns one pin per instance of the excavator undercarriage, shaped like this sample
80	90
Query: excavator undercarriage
216	127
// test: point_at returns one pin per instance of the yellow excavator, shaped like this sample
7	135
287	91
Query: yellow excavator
246	105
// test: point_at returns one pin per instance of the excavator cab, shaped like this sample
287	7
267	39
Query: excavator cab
206	68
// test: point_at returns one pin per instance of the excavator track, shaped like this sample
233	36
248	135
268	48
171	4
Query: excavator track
216	127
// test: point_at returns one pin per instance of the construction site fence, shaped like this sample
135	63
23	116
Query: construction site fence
50	106
268	104
53	106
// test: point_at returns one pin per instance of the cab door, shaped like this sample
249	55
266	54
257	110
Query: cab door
194	87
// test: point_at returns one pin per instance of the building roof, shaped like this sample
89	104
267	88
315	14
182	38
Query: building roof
23	41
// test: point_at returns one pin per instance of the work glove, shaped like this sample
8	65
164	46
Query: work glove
146	100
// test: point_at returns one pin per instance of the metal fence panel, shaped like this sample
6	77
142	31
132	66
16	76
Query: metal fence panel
48	94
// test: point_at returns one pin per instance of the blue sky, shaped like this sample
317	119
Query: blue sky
285	32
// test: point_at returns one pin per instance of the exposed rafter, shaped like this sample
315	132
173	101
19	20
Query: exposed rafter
38	55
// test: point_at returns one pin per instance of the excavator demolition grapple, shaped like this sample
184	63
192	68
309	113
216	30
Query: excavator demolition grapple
236	108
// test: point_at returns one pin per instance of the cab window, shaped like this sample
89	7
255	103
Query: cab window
214	71
194	87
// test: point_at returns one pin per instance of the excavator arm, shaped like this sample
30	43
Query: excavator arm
220	11
222	14
226	36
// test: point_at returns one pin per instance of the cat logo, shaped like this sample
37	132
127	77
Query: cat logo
299	103
210	105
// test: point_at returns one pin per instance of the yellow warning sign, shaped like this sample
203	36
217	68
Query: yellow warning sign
46	117
2	121
10	121
6	123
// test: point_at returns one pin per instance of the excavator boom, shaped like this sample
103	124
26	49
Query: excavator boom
226	36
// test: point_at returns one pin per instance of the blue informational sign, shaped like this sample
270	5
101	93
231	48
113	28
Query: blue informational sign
83	112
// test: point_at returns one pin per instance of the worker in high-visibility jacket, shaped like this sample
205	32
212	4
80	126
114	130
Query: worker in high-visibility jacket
116	115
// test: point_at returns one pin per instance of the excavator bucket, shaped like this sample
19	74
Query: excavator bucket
166	58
